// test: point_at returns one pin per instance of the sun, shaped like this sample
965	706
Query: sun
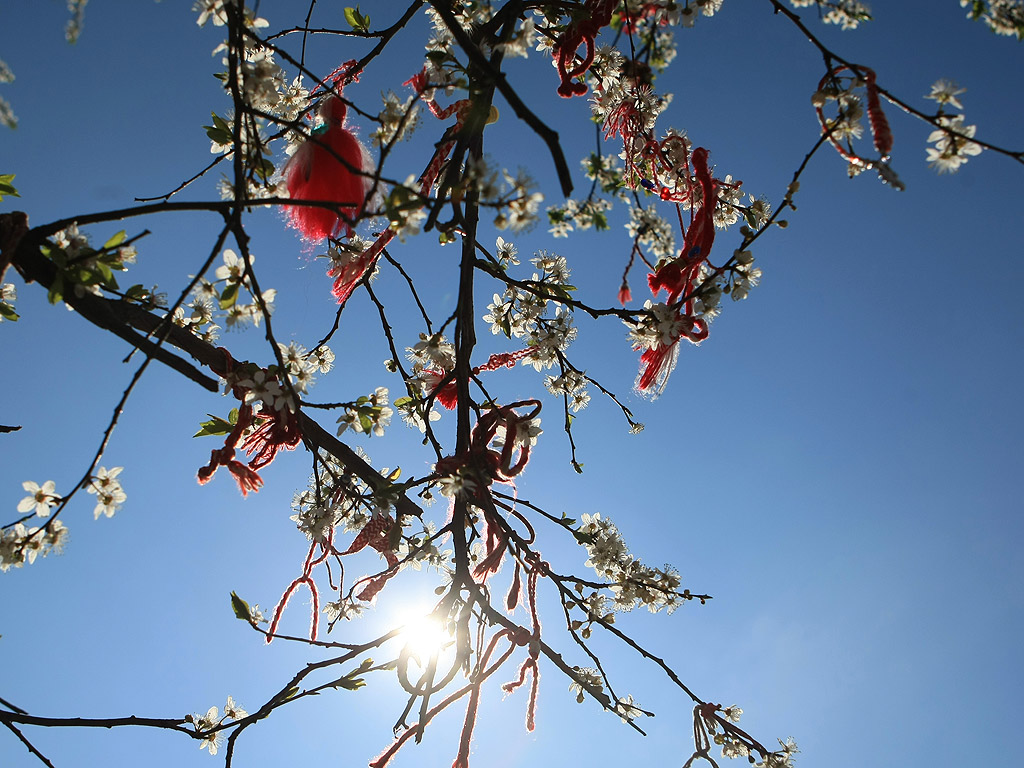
424	636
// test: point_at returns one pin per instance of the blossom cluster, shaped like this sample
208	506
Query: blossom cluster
850	109
522	311
657	326
266	95
336	500
206	723
1004	17
587	678
847	14
218	299
952	139
83	269
20	544
301	364
8	295
631	582
107	489
369	414
266	388
433	359
573	385
606	174
648	228
519	202
843	84
7	117
397	120
337	497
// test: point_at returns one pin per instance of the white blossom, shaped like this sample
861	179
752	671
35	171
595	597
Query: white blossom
40	498
946	92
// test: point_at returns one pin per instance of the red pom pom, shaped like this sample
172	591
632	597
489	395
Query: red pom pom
331	166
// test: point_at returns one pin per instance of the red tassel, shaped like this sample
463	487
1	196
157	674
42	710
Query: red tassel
315	173
625	295
656	365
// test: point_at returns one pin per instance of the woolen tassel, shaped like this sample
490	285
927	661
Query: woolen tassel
315	173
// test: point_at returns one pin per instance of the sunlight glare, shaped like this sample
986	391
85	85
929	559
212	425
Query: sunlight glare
425	636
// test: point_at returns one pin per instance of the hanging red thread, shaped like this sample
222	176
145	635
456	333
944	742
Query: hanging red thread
278	429
679	279
483	672
500	463
881	133
376	535
625	295
247	478
581	32
347	277
448	394
531	640
307	579
331	166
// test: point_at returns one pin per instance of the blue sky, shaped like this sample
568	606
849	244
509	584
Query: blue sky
837	464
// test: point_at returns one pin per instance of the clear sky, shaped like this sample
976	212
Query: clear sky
838	464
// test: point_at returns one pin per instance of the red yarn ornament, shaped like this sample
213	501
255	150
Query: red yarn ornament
331	166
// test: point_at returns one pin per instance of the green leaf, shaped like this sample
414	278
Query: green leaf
229	297
56	292
366	423
241	608
220	131
220	137
216	425
356	20
58	256
104	271
8	313
583	538
116	240
265	169
6	188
